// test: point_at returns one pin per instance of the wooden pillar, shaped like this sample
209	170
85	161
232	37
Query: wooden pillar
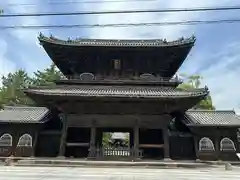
92	150
62	147
217	147
196	141
166	143
136	141
35	143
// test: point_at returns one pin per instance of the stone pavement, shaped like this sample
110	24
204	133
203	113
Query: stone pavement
80	163
66	173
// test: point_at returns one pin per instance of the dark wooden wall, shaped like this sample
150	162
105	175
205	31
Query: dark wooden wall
49	136
16	131
216	134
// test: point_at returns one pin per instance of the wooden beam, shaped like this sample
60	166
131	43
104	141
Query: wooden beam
151	145
78	144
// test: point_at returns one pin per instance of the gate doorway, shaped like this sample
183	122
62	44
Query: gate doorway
116	143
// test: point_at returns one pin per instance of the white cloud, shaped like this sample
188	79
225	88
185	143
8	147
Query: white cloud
223	77
26	39
222	81
26	35
6	65
169	32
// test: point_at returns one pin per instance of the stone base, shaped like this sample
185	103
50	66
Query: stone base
61	157
167	159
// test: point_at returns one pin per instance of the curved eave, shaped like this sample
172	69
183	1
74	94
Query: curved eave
115	97
111	93
165	104
118	43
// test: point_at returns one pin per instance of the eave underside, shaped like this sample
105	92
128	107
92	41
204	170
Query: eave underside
165	83
132	99
72	59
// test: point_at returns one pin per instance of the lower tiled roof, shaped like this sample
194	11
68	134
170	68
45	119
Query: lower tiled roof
118	91
209	118
12	114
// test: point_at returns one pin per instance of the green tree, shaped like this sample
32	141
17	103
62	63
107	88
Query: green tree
106	138
194	82
12	85
47	76
11	91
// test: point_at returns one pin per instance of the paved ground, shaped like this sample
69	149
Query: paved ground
64	173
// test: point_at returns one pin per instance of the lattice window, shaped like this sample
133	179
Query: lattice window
206	144
227	144
25	141
6	140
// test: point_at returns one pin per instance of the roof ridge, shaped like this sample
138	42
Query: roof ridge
183	39
121	42
206	110
23	107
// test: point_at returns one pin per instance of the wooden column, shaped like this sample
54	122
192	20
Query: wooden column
166	143
196	141
92	150
217	146
35	143
62	147
136	141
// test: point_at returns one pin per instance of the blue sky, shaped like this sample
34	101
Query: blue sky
216	55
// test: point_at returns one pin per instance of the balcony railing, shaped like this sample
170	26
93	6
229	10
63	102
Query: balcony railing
143	78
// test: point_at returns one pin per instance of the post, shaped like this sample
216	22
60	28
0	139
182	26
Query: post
217	147
62	147
166	143
196	139
136	141
92	150
35	143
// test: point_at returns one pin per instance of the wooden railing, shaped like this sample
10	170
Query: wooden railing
117	152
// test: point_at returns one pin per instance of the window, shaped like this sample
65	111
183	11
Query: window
205	144
25	140
117	64
6	140
227	144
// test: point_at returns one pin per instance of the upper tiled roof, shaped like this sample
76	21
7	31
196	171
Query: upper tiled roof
117	91
117	43
208	118
12	114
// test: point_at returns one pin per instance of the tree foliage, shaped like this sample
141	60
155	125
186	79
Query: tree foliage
11	92
47	76
194	82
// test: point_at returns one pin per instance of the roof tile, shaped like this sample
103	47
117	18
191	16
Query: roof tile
206	117
23	114
117	91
